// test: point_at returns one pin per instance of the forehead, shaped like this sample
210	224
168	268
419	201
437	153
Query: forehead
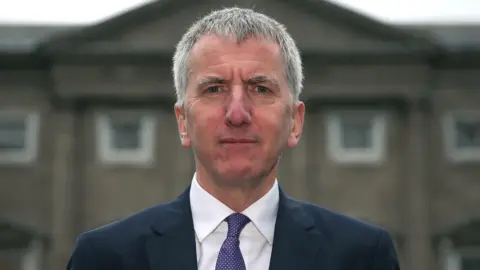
214	50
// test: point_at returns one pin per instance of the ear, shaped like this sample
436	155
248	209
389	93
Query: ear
298	118
180	114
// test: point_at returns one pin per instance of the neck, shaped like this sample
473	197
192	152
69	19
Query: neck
237	198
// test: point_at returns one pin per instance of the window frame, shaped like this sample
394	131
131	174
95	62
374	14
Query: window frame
453	153
32	127
107	154
339	154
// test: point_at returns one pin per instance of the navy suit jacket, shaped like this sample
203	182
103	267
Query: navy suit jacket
307	237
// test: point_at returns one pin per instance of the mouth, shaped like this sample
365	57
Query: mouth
237	141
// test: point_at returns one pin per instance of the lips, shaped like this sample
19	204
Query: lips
236	140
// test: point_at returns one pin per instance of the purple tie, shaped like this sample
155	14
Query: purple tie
230	256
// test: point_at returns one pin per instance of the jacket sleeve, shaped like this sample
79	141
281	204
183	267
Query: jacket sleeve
86	256
385	256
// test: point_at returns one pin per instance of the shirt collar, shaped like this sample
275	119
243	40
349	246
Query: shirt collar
208	212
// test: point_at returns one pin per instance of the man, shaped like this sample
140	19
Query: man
238	77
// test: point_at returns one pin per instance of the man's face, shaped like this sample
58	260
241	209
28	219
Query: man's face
238	113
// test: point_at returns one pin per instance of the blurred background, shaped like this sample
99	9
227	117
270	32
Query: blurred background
392	135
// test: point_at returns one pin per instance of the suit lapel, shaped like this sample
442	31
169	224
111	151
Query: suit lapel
297	244
171	245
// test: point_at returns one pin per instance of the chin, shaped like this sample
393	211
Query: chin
241	175
237	173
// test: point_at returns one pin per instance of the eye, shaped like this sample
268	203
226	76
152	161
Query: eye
262	89
213	89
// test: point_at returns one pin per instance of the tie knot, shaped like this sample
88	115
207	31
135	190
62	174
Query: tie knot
236	223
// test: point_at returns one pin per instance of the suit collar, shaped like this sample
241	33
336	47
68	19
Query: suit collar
171	245
173	215
298	243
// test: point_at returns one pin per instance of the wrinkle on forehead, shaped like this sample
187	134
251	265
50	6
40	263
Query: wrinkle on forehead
216	45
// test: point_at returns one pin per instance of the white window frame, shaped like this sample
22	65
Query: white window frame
144	155
339	154
32	125
452	152
32	256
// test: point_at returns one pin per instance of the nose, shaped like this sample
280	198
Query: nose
238	109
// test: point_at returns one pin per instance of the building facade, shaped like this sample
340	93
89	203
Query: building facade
392	134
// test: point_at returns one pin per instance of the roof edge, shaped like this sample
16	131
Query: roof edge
128	18
123	19
368	24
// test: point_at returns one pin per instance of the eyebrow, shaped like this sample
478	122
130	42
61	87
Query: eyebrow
263	79
211	80
255	80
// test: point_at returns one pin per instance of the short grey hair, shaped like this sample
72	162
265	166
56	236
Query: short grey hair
241	24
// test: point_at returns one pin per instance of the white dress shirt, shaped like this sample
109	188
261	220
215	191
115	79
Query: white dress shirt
256	238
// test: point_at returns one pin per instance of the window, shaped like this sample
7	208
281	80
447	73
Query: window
471	263
356	136
464	259
18	136
462	135
125	138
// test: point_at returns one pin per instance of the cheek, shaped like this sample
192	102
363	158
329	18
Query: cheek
202	127
275	128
